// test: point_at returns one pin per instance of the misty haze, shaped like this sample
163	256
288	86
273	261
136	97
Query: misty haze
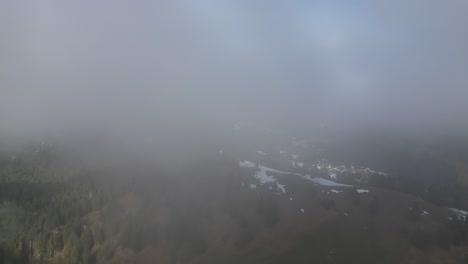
234	131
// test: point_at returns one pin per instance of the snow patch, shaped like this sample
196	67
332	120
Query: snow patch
461	214
253	186
281	187
262	174
325	182
247	164
424	213
335	191
261	152
263	177
302	210
296	164
277	171
362	191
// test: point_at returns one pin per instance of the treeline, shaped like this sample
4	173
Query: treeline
52	213
451	233
418	168
42	210
432	180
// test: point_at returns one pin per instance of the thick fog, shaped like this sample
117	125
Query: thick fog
133	69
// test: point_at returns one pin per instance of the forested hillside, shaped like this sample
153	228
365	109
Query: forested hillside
56	209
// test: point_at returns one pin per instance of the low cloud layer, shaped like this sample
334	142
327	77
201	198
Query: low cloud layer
139	66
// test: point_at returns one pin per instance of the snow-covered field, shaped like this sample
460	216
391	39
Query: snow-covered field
263	178
325	182
262	174
461	214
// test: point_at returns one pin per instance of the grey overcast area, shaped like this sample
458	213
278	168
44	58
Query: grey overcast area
237	131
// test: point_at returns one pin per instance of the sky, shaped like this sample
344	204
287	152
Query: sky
147	65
